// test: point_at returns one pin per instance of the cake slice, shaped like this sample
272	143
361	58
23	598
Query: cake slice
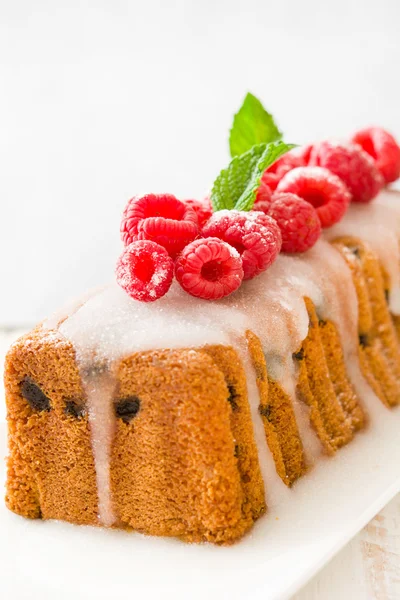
174	449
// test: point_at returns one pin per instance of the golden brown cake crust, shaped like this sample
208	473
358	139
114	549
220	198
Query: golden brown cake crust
278	418
316	387
228	362
379	345
50	464
186	465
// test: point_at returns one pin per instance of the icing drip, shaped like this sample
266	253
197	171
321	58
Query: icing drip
99	386
274	488
311	444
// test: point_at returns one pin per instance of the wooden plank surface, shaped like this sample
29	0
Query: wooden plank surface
368	568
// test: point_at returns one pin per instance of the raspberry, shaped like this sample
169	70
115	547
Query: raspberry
160	218
270	179
295	158
263	198
145	271
303	154
383	148
298	221
209	268
321	188
354	166
202	208
265	220
257	244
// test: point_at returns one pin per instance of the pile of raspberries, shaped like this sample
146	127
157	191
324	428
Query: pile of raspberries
210	254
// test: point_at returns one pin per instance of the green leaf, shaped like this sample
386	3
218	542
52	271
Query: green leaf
236	186
252	125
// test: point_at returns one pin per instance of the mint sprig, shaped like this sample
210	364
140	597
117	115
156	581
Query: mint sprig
236	186
252	125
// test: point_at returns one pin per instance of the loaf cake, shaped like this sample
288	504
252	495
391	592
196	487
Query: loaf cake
165	417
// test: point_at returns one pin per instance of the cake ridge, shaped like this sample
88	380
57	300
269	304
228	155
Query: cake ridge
377	224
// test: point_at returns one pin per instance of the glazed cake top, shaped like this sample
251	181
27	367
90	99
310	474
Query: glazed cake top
108	324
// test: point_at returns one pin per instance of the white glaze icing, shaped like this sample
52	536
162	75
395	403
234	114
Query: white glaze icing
69	308
99	387
109	325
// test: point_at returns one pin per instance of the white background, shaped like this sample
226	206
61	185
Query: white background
101	100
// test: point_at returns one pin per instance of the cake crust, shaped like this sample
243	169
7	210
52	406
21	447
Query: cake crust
185	465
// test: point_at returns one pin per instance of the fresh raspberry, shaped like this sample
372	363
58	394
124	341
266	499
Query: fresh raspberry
270	179
298	157
383	148
265	220
354	166
209	268
145	271
286	163
298	221
263	198
160	218
257	244
321	188
202	208
303	154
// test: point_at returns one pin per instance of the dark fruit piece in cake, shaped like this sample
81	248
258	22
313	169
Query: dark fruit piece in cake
127	408
34	395
74	409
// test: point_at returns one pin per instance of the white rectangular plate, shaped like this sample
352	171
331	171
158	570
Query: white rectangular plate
284	550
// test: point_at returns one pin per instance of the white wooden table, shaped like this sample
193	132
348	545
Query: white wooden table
368	568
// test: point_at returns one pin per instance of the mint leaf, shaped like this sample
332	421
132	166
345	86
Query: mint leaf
252	125
236	186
